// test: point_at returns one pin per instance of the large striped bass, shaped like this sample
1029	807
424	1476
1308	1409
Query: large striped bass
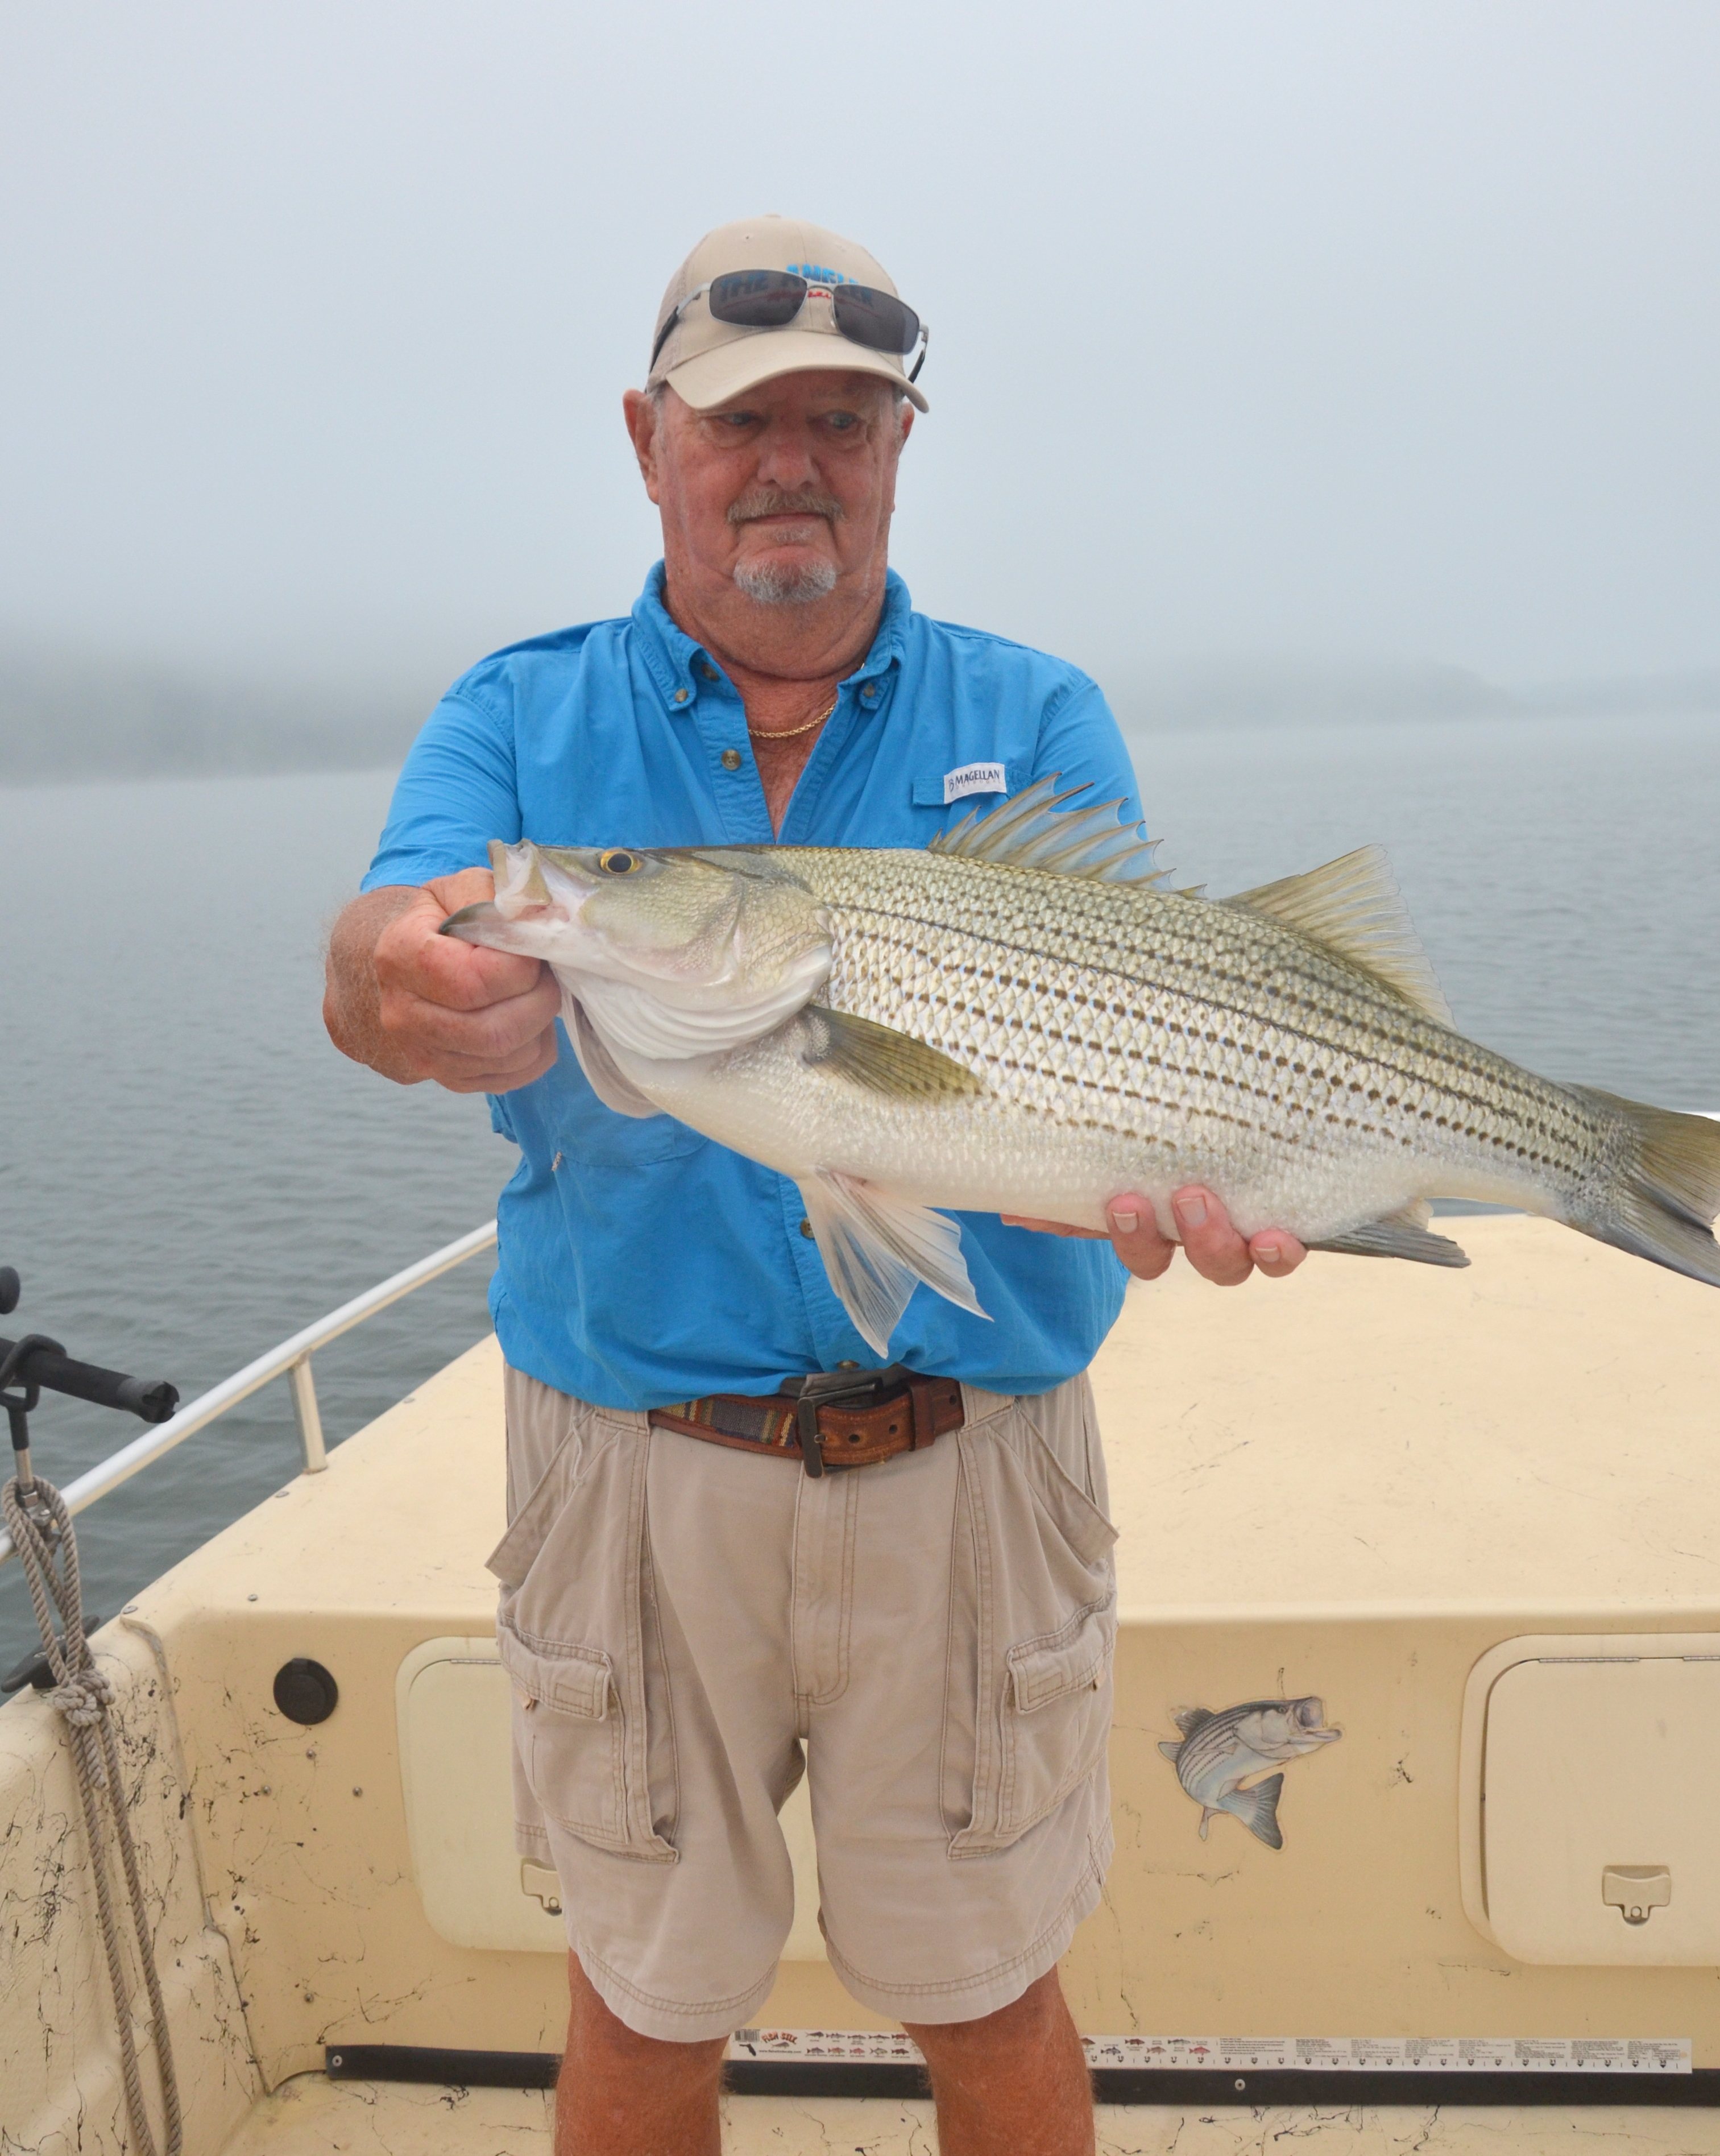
1023	1019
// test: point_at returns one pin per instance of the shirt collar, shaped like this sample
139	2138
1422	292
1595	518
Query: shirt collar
672	658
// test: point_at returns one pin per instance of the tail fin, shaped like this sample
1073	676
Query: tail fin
1258	1810
1664	1189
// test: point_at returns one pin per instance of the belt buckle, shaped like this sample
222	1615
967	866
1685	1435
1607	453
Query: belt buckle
827	1389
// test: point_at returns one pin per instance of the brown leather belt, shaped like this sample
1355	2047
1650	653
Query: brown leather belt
833	1419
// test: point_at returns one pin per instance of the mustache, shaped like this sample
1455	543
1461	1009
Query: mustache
762	502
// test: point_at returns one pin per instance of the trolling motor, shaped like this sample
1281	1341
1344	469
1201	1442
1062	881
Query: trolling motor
27	1367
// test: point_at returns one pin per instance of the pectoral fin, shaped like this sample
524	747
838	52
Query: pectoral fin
877	1250
1400	1235
882	1058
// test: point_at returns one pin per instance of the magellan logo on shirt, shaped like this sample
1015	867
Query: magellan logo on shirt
973	779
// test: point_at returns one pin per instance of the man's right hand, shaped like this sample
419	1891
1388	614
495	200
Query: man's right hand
415	1004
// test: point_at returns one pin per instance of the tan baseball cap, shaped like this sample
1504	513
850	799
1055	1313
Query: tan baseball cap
707	362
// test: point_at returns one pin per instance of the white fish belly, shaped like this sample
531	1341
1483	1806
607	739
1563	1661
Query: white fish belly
994	1154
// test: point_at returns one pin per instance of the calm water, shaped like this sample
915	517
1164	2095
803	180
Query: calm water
188	1172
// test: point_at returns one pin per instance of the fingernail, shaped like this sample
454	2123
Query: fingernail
1191	1211
1125	1224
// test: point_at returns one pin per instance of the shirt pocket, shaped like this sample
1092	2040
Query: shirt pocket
586	1134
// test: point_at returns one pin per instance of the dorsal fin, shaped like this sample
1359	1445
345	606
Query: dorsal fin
1354	907
1033	830
1189	1719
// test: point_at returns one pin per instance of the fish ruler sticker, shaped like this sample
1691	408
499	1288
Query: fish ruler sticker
870	2047
1326	2055
973	778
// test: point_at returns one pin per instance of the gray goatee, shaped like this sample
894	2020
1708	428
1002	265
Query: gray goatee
784	583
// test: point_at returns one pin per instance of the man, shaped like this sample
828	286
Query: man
687	1627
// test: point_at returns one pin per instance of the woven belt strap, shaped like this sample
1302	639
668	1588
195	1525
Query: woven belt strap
852	1418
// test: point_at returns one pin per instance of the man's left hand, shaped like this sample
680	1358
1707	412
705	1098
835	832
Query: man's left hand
1216	1251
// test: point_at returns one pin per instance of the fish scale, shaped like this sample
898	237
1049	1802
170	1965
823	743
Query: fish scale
897	953
1021	1020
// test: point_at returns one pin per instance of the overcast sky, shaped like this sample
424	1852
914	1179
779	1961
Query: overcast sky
1371	329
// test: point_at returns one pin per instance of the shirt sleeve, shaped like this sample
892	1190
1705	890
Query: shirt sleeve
1080	741
456	791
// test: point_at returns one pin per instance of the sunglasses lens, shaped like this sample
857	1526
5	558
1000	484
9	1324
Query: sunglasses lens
758	299
875	320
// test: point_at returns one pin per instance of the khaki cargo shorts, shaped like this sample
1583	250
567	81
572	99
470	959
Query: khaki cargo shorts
690	1629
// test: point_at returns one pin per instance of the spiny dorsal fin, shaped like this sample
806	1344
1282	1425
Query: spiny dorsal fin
1189	1719
1033	830
1354	908
881	1059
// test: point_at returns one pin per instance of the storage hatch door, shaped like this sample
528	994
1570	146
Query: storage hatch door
453	1704
1599	1787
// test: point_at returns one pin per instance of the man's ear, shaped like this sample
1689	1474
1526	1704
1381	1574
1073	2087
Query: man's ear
641	412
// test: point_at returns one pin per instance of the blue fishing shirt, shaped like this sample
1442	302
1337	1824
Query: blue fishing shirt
639	1263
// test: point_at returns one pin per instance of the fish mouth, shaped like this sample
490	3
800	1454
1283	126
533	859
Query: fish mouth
487	925
471	923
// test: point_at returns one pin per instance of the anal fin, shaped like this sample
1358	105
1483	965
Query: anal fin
1404	1234
878	1248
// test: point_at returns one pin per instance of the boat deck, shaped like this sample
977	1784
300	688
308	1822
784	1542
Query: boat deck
1355	1484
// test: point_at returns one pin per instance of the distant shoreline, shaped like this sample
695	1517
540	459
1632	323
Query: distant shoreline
66	720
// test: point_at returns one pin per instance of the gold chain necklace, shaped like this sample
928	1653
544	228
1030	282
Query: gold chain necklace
770	733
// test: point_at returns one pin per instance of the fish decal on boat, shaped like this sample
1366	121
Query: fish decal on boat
1023	1018
1219	1752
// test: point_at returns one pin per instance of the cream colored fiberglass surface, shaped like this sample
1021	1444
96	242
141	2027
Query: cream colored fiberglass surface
1353	1486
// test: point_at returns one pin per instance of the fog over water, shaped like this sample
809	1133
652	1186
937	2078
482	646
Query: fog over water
1337	331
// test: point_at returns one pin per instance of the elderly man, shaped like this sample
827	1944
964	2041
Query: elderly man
690	1629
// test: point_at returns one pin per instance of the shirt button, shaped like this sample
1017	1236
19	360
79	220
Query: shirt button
708	670
848	1366
732	759
806	1229
680	695
870	691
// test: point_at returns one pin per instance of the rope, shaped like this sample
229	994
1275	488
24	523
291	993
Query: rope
43	1537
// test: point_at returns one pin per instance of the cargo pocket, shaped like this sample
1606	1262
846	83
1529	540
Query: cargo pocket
576	1632
1032	1633
1056	1716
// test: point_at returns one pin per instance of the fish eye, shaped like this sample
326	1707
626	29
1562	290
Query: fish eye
617	861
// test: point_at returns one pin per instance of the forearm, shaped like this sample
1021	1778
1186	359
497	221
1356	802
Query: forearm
352	1002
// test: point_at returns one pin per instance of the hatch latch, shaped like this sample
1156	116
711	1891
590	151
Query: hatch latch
1633	1890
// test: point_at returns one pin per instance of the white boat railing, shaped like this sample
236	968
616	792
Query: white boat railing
291	1360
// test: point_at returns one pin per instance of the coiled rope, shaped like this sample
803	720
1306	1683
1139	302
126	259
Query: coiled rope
41	1531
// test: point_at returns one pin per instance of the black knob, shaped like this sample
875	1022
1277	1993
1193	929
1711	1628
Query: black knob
10	1287
305	1692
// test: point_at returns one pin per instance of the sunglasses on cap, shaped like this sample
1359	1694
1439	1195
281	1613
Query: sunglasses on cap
770	300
